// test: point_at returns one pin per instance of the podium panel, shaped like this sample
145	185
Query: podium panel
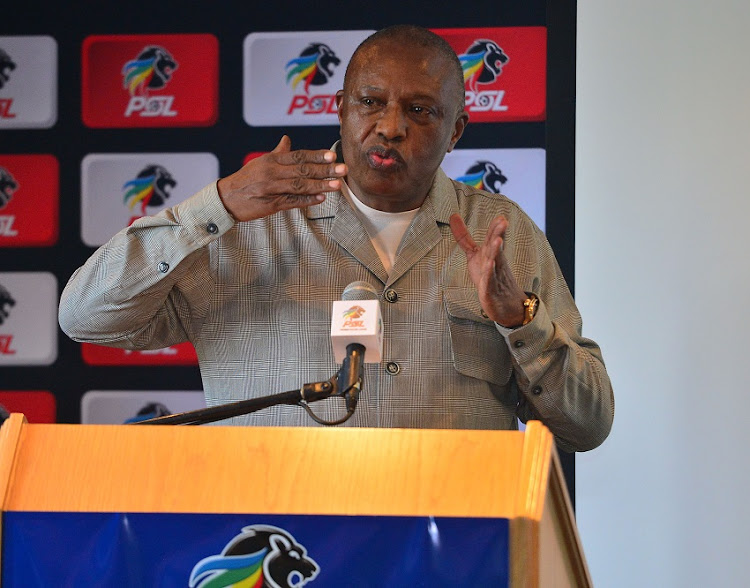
114	505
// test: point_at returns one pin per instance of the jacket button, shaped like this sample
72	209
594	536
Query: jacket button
536	390
391	295
164	267
212	228
518	344
392	368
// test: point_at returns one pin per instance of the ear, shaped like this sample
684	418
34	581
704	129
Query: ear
458	129
339	102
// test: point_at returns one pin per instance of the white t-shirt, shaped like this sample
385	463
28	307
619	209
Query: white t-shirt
386	229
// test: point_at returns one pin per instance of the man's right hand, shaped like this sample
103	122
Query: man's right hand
280	180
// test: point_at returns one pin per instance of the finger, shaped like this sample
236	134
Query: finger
311	171
290	201
461	234
300	156
497	228
299	187
284	146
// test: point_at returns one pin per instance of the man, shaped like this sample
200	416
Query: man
246	269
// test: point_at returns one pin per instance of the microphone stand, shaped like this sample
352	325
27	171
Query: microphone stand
347	383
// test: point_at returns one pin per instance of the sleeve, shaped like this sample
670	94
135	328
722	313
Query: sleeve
561	376
149	286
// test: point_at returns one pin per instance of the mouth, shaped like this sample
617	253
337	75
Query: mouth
384	159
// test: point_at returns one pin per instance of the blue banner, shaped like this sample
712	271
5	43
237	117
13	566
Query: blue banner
216	550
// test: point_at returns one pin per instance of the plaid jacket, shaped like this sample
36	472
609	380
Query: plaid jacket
255	300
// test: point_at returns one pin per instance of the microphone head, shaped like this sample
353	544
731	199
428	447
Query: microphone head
360	291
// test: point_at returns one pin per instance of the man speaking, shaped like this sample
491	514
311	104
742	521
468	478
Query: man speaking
479	325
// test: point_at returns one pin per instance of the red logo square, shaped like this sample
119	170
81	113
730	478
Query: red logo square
150	80
182	354
505	71
29	200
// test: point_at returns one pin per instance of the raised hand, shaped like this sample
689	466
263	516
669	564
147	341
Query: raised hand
499	294
280	180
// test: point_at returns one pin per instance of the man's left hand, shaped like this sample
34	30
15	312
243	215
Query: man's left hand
499	294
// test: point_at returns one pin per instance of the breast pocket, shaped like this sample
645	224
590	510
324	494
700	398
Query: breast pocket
479	350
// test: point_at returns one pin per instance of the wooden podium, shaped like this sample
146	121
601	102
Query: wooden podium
375	474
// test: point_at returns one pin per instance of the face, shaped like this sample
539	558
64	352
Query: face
399	117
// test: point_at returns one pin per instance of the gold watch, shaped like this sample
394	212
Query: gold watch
529	308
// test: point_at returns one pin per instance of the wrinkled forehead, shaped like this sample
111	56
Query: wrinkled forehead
398	55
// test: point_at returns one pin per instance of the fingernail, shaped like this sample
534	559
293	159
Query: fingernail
334	183
329	156
340	169
320	197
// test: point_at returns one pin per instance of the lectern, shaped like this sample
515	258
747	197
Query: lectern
118	505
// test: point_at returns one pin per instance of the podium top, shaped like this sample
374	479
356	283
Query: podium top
341	471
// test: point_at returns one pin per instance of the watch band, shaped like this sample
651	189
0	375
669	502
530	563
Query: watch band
529	306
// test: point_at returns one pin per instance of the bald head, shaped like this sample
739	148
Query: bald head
410	36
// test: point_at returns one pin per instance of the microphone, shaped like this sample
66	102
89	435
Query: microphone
356	327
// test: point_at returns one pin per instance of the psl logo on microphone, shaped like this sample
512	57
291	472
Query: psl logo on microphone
314	67
6	302
483	63
484	175
6	66
150	188
150	70
261	555
353	317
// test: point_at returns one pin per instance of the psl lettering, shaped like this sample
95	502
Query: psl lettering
5	106
484	101
6	226
150	106
5	341
319	104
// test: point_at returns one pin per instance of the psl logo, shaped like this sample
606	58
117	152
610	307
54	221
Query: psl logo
6	65
151	70
483	63
484	175
314	66
8	186
262	556
150	188
6	301
151	410
352	316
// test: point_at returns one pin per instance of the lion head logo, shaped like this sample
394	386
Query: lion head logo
151	410
354	312
6	65
314	65
8	185
484	175
149	188
262	556
483	62
151	70
6	301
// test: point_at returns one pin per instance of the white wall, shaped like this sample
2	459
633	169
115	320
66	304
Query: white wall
662	280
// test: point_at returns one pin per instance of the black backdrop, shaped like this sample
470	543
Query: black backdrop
231	138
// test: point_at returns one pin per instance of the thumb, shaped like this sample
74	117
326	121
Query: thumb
284	146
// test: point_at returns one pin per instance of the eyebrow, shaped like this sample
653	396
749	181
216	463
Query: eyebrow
425	97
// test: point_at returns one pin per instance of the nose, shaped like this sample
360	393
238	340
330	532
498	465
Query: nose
392	123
